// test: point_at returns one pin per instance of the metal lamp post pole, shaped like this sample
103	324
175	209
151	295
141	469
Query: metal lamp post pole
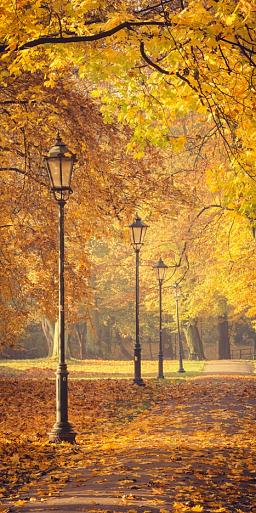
137	231
62	429
161	269
137	348
60	162
160	356
181	368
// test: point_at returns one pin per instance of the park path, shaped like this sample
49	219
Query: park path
228	367
192	454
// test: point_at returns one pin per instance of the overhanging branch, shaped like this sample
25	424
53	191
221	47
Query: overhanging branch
43	40
162	70
150	62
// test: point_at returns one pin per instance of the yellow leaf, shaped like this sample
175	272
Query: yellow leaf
230	19
178	143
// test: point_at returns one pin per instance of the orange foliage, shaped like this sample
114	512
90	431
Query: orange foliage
178	448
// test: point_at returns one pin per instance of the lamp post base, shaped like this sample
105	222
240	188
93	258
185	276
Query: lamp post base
181	369
160	366
62	432
137	380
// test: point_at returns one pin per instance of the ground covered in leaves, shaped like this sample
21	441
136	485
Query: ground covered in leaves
168	447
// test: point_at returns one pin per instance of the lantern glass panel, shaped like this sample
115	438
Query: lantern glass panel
143	233
54	171
137	232
161	273
60	170
67	165
177	291
136	235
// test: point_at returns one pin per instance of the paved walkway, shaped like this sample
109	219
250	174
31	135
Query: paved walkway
229	367
195	450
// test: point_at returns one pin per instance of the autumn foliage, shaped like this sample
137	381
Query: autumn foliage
157	102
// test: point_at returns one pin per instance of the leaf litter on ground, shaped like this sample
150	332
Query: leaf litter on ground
186	446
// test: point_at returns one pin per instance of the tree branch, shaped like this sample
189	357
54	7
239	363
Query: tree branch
152	8
150	62
129	25
162	70
24	173
16	169
13	102
247	52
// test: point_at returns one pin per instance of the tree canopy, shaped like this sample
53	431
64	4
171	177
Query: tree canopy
156	99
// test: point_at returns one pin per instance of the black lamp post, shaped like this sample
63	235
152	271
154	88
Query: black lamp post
176	292
138	230
60	164
161	268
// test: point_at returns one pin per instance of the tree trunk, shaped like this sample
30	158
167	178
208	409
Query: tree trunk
194	342
108	335
223	339
123	349
51	332
55	345
150	347
167	343
68	346
254	349
49	329
94	342
80	331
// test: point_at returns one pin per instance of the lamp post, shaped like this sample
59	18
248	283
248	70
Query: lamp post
137	230
60	164
176	293
161	268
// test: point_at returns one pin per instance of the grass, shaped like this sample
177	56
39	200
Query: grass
92	369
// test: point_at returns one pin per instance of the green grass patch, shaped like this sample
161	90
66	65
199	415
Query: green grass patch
98	369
